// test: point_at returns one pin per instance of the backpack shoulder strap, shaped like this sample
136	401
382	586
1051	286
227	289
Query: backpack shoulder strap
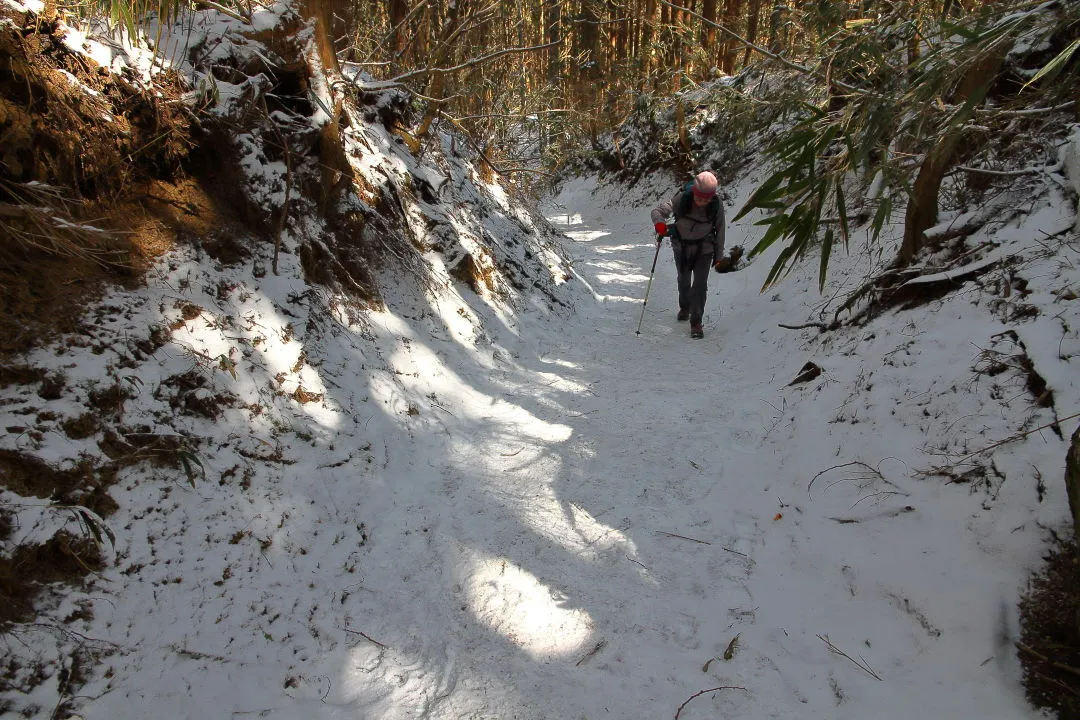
683	206
714	208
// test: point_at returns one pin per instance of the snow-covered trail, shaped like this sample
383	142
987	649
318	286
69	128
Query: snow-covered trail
699	455
560	518
678	430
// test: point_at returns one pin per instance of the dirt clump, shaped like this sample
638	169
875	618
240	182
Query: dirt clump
64	558
78	146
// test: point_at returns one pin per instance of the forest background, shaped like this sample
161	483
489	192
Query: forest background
860	111
876	102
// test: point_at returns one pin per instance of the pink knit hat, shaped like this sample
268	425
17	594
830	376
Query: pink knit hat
705	185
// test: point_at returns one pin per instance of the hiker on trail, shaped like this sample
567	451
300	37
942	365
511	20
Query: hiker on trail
697	240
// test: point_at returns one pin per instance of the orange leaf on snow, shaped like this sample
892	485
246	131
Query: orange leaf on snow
778	516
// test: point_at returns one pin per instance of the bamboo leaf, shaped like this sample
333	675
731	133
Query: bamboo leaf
777	229
765	193
951	28
826	250
884	210
193	466
1055	65
776	270
841	211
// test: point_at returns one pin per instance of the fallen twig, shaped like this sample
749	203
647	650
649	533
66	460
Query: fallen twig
367	637
702	692
1053	663
596	648
887	514
883	492
1017	437
819	325
837	467
440	406
683	537
15	629
860	663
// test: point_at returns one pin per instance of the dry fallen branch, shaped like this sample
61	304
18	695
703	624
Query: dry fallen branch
819	325
860	663
1053	663
702	692
41	218
877	494
366	637
683	537
596	648
95	644
875	473
210	5
887	514
1017	436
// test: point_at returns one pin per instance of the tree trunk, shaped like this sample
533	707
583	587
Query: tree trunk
752	13
396	11
922	209
333	161
1072	488
1072	478
554	34
708	11
588	42
732	11
777	33
441	52
675	58
647	52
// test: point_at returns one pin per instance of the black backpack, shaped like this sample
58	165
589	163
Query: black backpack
685	203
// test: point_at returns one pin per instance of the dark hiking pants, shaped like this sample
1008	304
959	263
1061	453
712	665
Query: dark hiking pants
692	261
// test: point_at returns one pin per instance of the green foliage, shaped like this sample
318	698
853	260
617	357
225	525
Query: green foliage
1055	66
129	15
813	158
886	110
192	464
92	525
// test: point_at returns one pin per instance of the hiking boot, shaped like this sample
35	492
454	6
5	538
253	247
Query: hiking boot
683	316
696	331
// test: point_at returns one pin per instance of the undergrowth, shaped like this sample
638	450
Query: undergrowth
1050	633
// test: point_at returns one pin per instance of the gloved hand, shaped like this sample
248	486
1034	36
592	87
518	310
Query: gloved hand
661	229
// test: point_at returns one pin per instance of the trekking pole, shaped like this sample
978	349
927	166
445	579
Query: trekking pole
659	241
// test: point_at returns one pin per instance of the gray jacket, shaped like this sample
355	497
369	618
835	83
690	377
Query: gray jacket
694	225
